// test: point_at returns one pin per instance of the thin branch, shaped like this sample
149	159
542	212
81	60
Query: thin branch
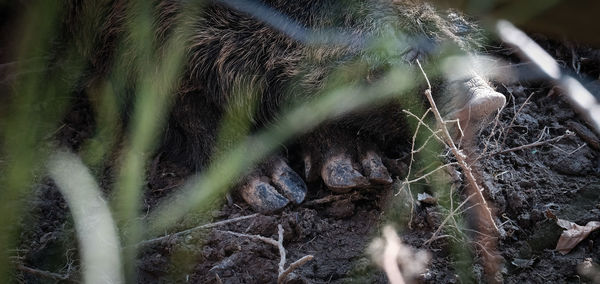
414	138
460	130
570	152
283	273
429	173
406	182
281	250
458	155
509	127
283	276
531	145
421	122
45	274
254	237
332	198
488	140
450	216
205	226
426	141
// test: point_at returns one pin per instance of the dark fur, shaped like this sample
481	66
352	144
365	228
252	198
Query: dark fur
230	52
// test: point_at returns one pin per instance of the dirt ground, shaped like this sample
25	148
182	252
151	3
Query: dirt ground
562	177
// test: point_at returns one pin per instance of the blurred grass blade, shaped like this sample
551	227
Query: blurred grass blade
512	35
579	97
34	104
156	82
293	29
96	231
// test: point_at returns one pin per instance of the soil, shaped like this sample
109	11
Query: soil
562	177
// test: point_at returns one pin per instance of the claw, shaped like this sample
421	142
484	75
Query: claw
288	182
374	168
339	175
482	100
473	100
262	196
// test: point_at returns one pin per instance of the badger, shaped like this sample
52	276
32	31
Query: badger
259	56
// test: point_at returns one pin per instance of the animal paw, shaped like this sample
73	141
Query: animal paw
273	187
480	100
342	171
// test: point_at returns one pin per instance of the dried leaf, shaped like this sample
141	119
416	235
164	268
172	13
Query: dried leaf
573	234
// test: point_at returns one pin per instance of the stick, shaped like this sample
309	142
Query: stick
205	226
428	174
281	251
283	273
515	117
531	145
459	156
282	277
450	215
43	273
331	198
254	237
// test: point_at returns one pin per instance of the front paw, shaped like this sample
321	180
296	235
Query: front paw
273	186
341	173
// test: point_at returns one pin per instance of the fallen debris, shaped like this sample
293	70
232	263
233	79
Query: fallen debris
586	135
46	274
204	226
355	195
573	234
534	144
283	272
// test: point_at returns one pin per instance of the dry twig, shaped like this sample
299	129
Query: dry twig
45	274
254	237
512	121
406	183
205	226
460	158
428	174
293	267
531	145
332	198
450	216
486	223
283	272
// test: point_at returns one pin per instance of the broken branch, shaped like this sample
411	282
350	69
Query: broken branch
45	274
283	273
457	154
205	226
531	145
